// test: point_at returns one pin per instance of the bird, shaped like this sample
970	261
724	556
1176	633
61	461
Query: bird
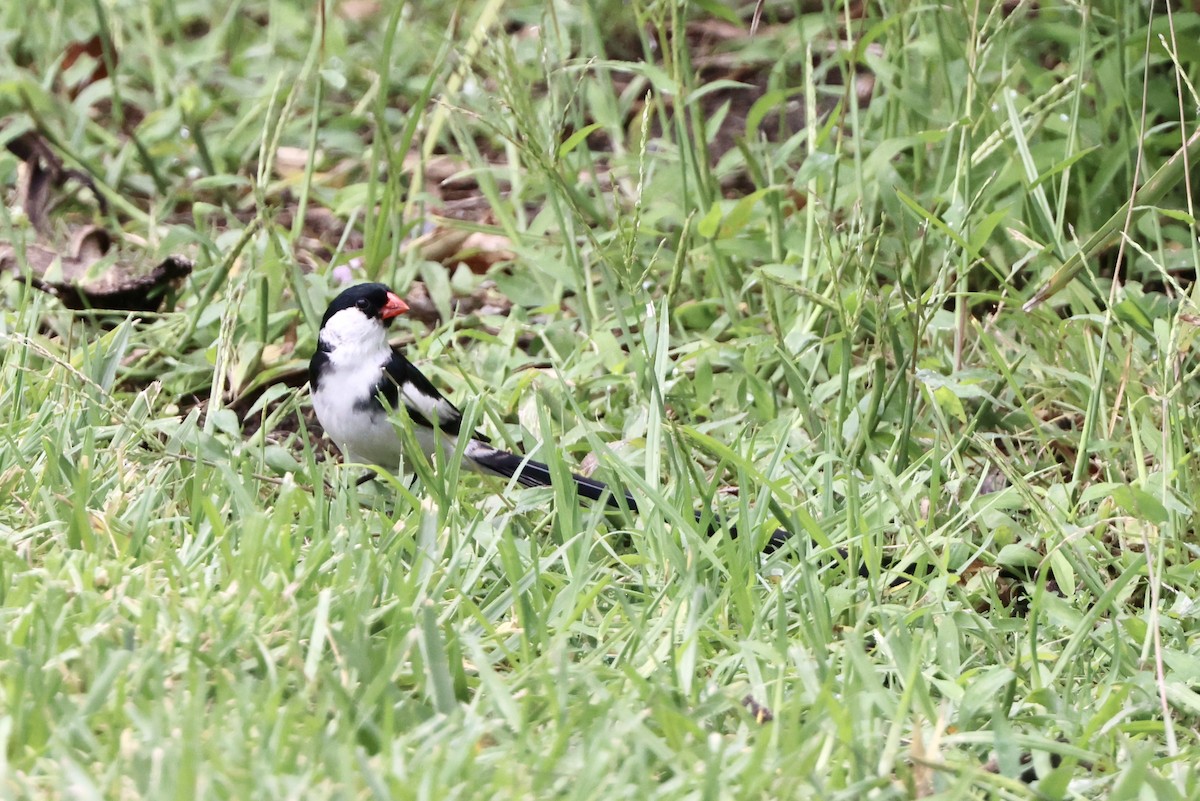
359	381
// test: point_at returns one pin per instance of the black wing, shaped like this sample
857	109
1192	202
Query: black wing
402	383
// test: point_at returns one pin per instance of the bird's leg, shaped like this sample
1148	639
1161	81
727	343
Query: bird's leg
364	478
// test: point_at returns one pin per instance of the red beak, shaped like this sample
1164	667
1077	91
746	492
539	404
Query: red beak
394	307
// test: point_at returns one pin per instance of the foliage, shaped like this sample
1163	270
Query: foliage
697	292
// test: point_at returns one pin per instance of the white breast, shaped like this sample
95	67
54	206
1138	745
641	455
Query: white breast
358	352
362	435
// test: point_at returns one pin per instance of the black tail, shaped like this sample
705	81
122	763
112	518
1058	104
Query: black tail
535	474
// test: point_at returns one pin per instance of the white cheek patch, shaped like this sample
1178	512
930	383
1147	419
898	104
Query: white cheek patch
353	332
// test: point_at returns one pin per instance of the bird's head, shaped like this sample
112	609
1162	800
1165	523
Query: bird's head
360	314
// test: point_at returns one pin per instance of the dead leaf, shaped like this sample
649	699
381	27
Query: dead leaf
484	301
451	246
81	278
922	771
41	171
86	272
290	162
93	51
481	251
440	244
357	10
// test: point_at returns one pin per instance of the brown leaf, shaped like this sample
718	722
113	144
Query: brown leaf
85	272
440	244
84	277
485	300
92	49
357	10
481	251
42	171
452	246
290	162
922	771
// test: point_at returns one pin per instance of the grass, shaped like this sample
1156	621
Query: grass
195	603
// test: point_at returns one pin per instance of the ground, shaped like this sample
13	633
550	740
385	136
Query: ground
912	282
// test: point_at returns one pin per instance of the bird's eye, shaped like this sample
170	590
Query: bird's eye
362	304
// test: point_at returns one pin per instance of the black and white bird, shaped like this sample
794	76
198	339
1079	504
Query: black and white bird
359	380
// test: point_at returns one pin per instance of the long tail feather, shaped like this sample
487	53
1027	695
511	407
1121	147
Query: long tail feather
535	474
